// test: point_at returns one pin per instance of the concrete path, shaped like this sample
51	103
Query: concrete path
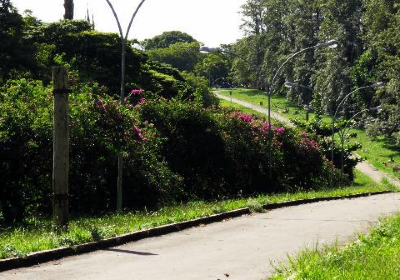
259	109
376	174
244	248
363	167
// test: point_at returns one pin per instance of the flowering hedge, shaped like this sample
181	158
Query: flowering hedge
223	153
173	151
99	129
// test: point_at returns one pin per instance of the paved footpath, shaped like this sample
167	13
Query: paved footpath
257	108
244	248
363	167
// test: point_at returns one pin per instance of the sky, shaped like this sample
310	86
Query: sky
212	22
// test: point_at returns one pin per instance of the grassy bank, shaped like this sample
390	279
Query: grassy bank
279	104
378	151
375	256
36	233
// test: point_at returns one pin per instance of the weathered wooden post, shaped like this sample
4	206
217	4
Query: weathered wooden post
60	148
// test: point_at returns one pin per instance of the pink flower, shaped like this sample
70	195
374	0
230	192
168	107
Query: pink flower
101	105
137	91
137	130
142	100
308	144
280	129
266	126
246	117
139	134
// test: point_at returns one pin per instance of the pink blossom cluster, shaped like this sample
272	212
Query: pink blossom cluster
309	144
141	102
138	132
266	126
137	91
101	105
245	117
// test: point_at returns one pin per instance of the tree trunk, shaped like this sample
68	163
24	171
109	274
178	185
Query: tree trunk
69	9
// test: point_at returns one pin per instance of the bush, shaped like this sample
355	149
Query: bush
225	153
173	151
100	128
322	132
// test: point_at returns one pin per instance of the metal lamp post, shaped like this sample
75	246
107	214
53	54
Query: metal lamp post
328	44
346	129
375	85
124	40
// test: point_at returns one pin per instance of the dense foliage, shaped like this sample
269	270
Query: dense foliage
167	39
368	51
176	142
164	146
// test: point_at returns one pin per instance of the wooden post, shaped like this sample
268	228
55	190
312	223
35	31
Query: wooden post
60	148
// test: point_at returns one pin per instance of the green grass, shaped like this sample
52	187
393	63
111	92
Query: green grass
375	256
36	234
279	104
376	150
228	104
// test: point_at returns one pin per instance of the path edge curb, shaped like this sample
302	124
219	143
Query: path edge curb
58	253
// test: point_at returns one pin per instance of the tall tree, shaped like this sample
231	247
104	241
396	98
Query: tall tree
341	22
381	61
254	15
303	24
15	54
69	9
183	56
166	39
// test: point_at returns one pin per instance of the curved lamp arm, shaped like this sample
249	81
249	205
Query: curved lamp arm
329	44
345	98
375	85
286	62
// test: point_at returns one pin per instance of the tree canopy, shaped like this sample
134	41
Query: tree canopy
368	51
167	39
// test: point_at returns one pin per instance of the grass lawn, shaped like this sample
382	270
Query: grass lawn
279	104
375	256
36	233
228	104
376	150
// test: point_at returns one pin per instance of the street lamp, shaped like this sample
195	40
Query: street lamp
346	129
374	86
328	44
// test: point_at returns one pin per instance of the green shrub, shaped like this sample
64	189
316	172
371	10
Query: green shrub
100	128
322	132
225	153
173	151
